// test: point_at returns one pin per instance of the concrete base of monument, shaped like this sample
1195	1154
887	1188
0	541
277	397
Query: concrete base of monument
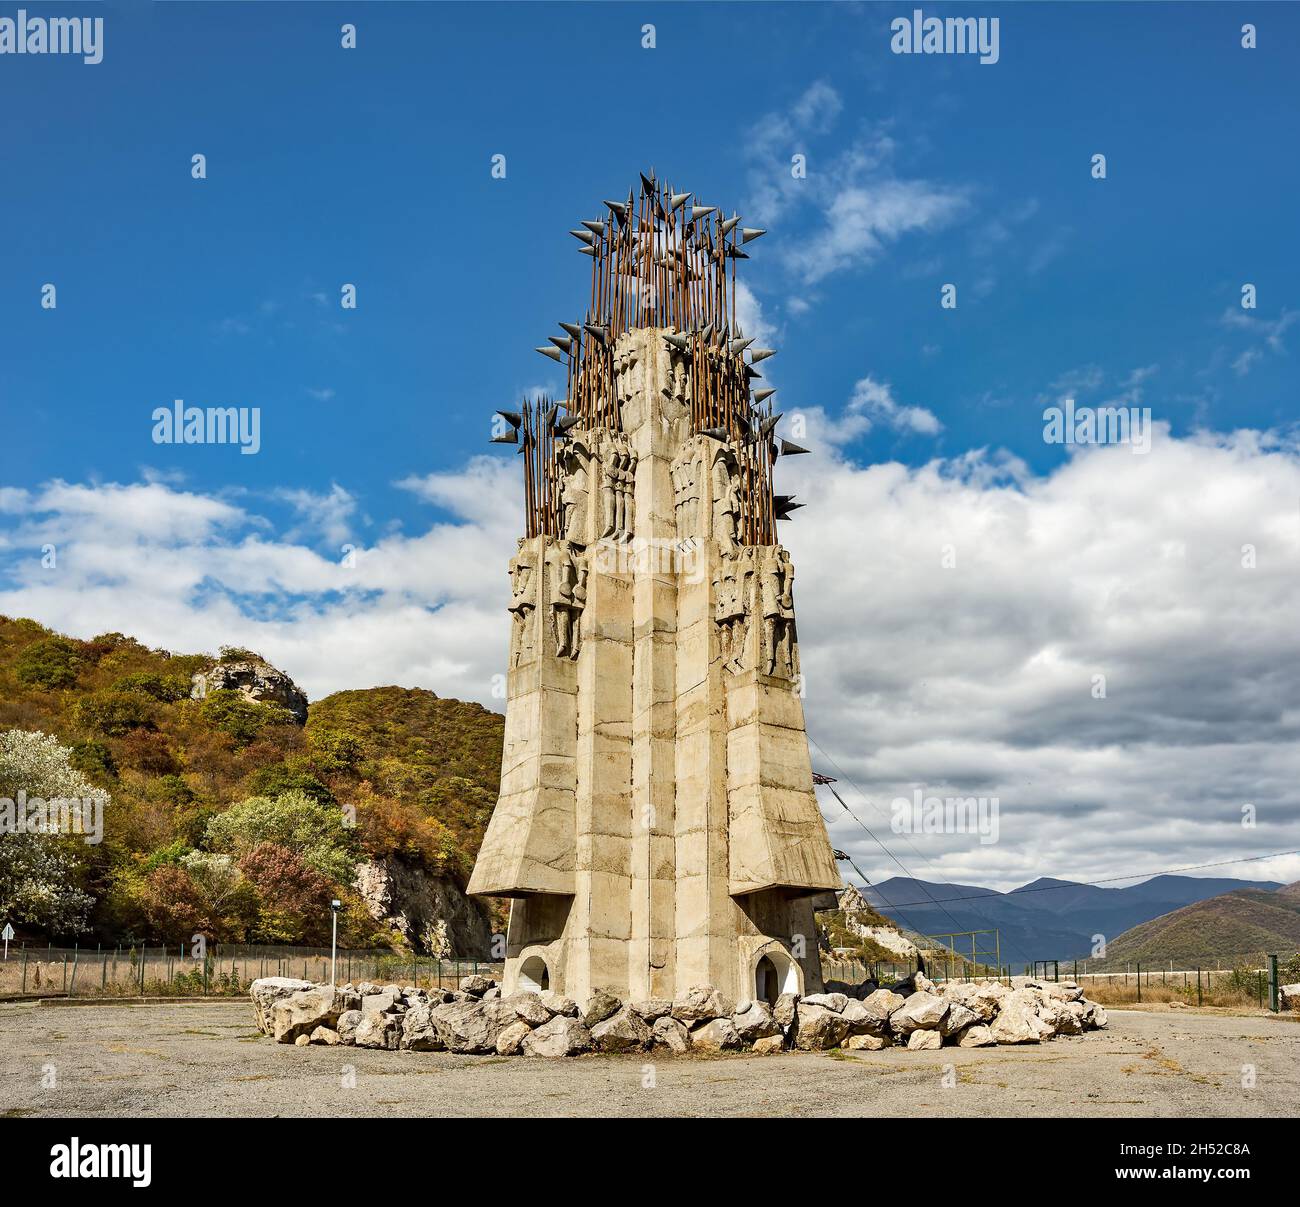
479	1019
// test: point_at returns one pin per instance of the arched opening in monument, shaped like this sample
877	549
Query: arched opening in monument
534	976
774	974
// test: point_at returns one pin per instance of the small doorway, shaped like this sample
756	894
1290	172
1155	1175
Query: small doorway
534	976
767	981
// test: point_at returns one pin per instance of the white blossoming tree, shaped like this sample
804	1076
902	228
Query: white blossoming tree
38	872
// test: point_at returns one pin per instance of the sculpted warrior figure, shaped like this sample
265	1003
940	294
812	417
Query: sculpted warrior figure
778	612
523	600
568	597
573	499
686	495
731	594
726	502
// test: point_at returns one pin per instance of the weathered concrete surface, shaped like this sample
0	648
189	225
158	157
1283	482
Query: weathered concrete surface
209	1059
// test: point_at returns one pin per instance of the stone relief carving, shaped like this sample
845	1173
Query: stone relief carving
523	603
686	479
574	493
776	590
726	500
733	589
568	590
618	464
625	363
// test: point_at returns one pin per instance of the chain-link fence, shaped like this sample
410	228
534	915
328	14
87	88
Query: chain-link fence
149	970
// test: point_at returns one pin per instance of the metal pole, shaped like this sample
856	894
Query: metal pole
334	947
1273	1003
1139	982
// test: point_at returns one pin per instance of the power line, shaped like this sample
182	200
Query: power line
881	845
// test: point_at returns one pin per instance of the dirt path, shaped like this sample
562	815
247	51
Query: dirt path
208	1059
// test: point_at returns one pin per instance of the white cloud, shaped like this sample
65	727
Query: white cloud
858	204
976	680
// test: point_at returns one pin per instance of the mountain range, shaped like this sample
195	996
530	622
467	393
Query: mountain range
1048	919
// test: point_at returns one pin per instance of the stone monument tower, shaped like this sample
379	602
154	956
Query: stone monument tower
657	827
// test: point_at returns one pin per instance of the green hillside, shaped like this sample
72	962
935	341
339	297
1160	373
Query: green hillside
1219	930
227	815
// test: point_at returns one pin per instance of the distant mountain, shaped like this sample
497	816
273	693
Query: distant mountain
1213	931
1045	919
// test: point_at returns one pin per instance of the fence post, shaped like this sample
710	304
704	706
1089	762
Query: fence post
1198	986
72	985
1139	982
24	989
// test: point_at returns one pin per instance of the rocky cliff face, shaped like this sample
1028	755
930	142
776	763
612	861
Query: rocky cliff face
256	681
432	913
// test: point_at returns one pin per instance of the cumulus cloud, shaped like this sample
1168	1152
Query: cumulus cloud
954	619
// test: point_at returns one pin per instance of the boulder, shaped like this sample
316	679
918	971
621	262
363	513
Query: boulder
510	1040
755	1023
921	1011
832	1001
302	1012
256	680
382	1002
655	1007
881	1004
557	1003
492	994
976	1036
1288	997
472	1026
562	1036
266	991
476	985
378	1031
867	1043
922	1040
302	1041
529	1008
818	1029
701	1004
622	1031
958	1018
324	1035
861	1020
784	1009
768	1045
669	1033
418	1031
716	1035
1016	1023
347	1026
601	1005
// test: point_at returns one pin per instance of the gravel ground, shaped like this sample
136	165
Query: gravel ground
209	1060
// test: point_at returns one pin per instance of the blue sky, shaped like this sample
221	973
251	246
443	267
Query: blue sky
373	167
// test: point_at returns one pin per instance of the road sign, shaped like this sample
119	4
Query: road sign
7	934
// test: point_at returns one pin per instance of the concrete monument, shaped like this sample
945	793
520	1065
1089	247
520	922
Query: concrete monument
656	827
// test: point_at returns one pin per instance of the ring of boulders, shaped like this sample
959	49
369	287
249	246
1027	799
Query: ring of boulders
477	1019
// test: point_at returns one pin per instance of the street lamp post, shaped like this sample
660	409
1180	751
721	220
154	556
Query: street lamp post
334	940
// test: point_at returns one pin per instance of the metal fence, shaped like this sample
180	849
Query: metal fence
149	970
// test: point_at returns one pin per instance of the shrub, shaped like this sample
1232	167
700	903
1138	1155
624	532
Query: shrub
113	713
241	718
52	663
281	778
316	831
94	758
335	750
165	688
235	653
